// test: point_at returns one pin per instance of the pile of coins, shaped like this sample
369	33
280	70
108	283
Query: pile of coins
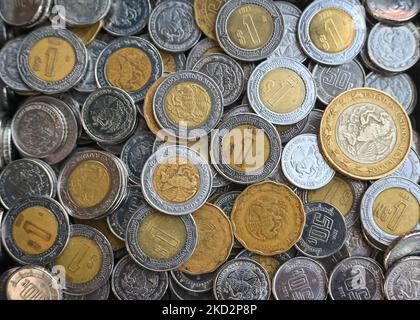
209	149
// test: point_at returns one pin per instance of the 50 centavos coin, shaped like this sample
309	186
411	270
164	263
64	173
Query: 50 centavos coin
393	11
401	280
194	283
83	12
205	14
404	246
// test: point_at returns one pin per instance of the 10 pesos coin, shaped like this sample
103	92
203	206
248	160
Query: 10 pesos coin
268	218
365	134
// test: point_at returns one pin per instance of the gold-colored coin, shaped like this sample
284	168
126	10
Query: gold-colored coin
148	108
205	13
88	34
214	241
270	264
161	236
268	218
52	59
332	30
35	230
168	60
365	134
88	184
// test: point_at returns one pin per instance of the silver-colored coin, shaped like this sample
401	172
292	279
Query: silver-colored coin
3	282
164	197
242	41
234	111
131	281
330	262
394	49
393	11
226	72
49	250
416	142
402	278
135	249
300	278
180	293
146	48
410	169
339	53
303	164
356	243
356	278
266	97
334	80
201	49
242	279
73	105
194	283
278	176
172	26
99	294
218	180
314	122
400	86
372	242
21	13
245	169
407	245
287	133
127	17
83	12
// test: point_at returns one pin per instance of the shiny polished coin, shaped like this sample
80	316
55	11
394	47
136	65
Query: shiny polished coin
131	281
393	11
303	164
88	33
172	26
158	241
300	279
365	134
21	13
404	246
194	283
401	280
390	208
131	64
356	243
91	270
35	230
176	180
242	279
394	49
99	294
249	30
52	60
205	14
410	169
203	48
356	278
268	218
83	12
245	149
332	32
282	91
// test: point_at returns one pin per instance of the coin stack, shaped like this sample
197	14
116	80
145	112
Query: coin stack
209	149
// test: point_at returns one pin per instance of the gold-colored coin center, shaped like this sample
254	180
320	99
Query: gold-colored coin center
169	64
270	264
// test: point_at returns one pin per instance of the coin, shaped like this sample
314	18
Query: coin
356	278
99	294
356	243
238	34
143	284
88	33
242	279
194	283
268	218
282	91
348	118
172	26
35	230
22	13
177	292
158	241
410	169
131	64
234	111
4	277
203	48
401	279
52	60
331	261
392	11
404	246
332	32
288	132
83	12
205	14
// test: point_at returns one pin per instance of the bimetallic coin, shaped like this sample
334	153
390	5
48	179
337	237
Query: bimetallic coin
131	281
406	245
242	279
410	169
83	12
205	14
401	280
172	26
282	91
356	278
99	294
393	11
173	62
194	283
158	241
35	230
332	32
249	30
356	243
204	48
22	13
300	279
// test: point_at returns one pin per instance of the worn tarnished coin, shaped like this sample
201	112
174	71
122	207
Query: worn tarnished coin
393	11
402	278
401	247
83	12
203	48
288	132
205	14
313	122
22	13
234	111
242	279
99	294
410	169
194	283
357	278
131	281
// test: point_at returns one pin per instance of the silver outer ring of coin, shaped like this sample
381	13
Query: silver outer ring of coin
238	265
99	294
176	129
332	58
235	67
231	112
400	272
81	230
14	21
407	245
368	263
257	104
198	51
395	65
288	169
55	250
116	189
136	43
374	9
410	169
189	206
217	142
118	290
194	33
76	18
127	27
369	198
51	87
127	126
249	54
292	131
141	258
198	284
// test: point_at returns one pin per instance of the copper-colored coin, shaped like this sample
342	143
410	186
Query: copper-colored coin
148	108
